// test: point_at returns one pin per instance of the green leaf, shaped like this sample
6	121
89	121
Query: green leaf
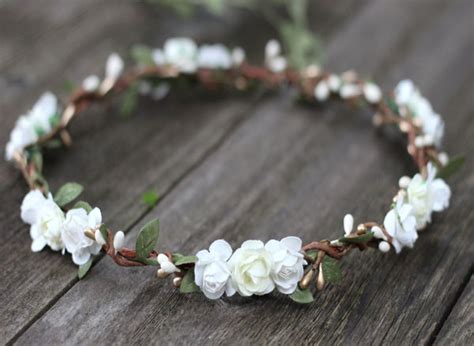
37	158
83	269
392	105
451	167
312	254
147	239
104	232
360	239
302	296
68	193
69	86
130	100
331	271
142	55
53	144
179	259
84	205
150	198
187	284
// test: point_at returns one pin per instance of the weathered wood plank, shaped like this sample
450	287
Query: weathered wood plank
150	151
275	176
459	327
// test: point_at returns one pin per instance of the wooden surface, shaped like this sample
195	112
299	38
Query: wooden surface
239	168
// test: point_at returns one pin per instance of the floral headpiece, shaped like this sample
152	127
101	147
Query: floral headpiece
256	268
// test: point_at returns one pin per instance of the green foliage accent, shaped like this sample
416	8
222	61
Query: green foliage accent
104	232
147	239
36	157
392	105
53	144
68	193
312	254
84	205
451	167
302	296
142	55
360	239
331	270
289	19
130	100
179	259
150	198
83	269
187	284
69	86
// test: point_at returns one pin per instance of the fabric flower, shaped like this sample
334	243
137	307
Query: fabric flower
400	224
251	267
37	122
288	261
181	52
46	220
214	56
166	264
274	61
211	271
410	101
427	195
76	223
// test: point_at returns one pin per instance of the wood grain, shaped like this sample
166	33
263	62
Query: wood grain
458	329
267	170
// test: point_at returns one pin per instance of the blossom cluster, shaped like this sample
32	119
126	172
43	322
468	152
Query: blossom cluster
50	226
185	55
411	211
253	269
29	127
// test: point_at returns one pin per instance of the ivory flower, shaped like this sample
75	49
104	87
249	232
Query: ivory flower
287	269
37	122
400	224
238	56
427	195
166	264
322	91
214	56
181	52
410	101
77	244
372	93
211	270
46	220
273	60
251	267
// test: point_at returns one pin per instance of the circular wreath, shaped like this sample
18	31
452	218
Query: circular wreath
255	268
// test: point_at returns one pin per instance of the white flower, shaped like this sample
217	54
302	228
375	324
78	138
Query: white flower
91	83
36	123
251	267
214	56
321	91
372	93
350	90
288	261
273	60
166	264
77	244
46	220
334	82
410	101
427	195
181	52
238	56
211	271
272	49
113	67
400	224
21	136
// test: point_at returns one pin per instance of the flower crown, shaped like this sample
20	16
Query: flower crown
256	268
